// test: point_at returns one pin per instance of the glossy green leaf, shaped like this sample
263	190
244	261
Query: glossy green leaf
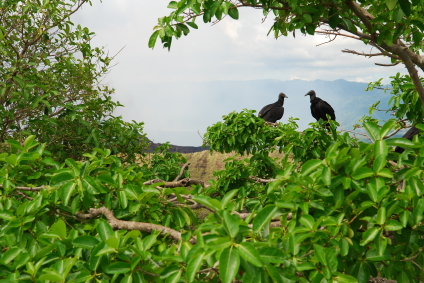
152	39
361	173
231	224
250	254
193	266
85	242
344	278
228	197
117	268
104	229
373	130
271	255
381	216
229	263
264	217
59	228
310	165
369	235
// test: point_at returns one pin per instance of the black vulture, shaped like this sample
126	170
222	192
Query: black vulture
320	108
408	135
273	112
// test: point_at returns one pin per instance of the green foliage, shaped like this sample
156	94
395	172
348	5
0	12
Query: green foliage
405	101
50	83
165	165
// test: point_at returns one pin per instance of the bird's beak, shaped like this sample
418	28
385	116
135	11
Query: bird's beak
306	94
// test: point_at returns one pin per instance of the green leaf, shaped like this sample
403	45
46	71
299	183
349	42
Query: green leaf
152	39
229	263
285	204
381	216
406	7
379	163
373	130
264	217
276	276
326	176
369	235
271	255
307	18
59	228
310	165
209	202
149	241
193	25
173	5
393	225
401	142
6	215
66	191
117	268
233	12
391	4
231	224
85	242
60	179
10	255
29	142
361	173
380	148
193	266
307	221
333	17
228	197
320	254
344	278
50	274
219	243
250	254
104	229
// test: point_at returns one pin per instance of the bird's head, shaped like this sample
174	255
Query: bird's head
312	94
281	96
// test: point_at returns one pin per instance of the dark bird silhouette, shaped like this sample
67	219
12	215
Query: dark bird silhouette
408	135
275	111
319	107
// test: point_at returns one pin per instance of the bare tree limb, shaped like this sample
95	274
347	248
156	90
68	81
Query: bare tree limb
181	172
260	180
128	225
31	189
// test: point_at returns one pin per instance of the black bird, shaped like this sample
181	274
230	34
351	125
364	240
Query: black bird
408	135
273	112
319	107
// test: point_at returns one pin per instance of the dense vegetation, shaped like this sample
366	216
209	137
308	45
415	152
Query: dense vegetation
75	207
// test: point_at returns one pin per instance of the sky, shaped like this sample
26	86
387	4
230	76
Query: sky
229	50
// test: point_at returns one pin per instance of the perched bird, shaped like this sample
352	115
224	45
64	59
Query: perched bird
408	135
273	112
320	108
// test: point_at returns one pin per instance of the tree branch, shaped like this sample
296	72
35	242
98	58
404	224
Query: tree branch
129	225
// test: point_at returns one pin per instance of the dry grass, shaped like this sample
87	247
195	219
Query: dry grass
203	164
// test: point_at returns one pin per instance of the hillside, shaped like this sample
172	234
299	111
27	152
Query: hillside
203	164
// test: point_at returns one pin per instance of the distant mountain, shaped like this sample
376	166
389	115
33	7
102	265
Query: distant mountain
176	111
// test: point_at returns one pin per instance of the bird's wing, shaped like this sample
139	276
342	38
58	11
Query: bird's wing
325	108
315	112
411	133
265	110
277	113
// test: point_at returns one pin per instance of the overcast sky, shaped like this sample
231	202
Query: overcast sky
229	50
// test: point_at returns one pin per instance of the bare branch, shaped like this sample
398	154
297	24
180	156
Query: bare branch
31	189
260	180
128	225
181	172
